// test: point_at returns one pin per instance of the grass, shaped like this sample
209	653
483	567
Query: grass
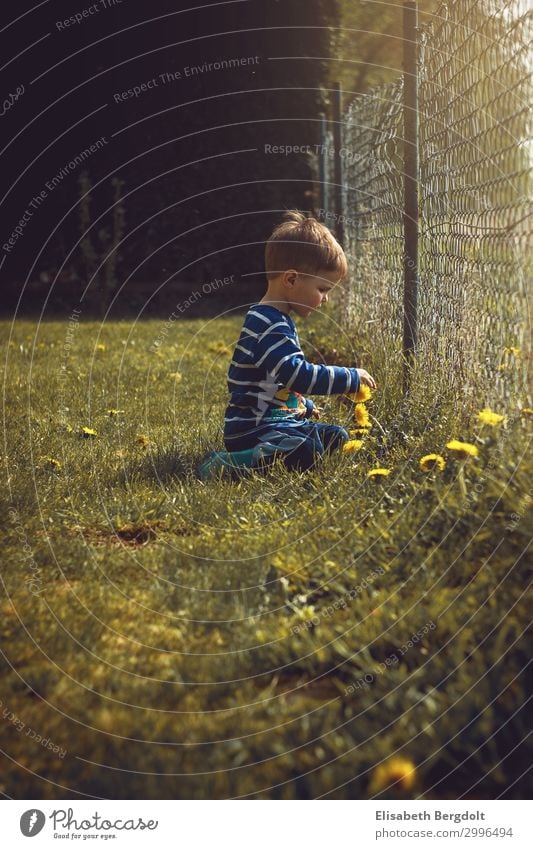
279	636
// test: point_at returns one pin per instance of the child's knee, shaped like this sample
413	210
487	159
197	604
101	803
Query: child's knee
305	456
334	437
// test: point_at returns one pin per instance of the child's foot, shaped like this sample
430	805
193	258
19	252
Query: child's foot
225	462
211	466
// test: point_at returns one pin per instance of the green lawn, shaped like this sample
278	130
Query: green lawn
281	636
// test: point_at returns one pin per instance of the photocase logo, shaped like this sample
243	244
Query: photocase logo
32	822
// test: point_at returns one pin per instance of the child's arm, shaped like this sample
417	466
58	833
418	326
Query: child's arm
281	356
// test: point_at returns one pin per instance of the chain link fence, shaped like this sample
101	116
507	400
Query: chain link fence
474	148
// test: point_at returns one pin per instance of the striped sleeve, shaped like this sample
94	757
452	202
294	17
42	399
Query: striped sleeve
278	352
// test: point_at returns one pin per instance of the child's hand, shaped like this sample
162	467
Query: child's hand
366	378
316	412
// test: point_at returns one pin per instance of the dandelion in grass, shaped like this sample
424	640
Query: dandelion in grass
52	463
361	416
510	349
306	612
432	463
352	445
142	440
364	393
88	433
397	771
378	474
487	417
526	412
177	375
463	450
219	348
100	347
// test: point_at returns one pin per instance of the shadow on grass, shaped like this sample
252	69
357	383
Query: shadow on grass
162	464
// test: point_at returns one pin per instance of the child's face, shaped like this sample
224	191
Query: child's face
308	293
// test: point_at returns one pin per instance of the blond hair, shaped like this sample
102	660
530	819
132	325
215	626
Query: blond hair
305	244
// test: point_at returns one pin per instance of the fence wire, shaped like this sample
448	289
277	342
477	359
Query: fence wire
475	156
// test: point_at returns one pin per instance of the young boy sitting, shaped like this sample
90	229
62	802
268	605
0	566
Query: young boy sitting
267	414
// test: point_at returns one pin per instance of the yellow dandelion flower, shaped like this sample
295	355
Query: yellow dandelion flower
510	349
88	433
526	411
378	473
487	417
397	771
306	612
352	445
432	462
100	347
142	440
177	375
51	463
219	348
364	393
112	412
361	415
464	450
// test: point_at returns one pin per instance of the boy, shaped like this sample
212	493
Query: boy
267	414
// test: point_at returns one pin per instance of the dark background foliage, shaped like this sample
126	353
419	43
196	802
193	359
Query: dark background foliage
183	180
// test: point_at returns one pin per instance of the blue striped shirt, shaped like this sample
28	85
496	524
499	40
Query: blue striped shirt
268	375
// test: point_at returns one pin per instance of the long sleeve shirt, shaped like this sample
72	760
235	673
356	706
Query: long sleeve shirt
268	375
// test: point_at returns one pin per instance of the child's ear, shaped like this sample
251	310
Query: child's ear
290	277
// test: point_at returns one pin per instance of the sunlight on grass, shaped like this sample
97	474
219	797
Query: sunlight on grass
339	625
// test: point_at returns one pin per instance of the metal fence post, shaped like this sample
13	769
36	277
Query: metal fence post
337	171
410	216
322	176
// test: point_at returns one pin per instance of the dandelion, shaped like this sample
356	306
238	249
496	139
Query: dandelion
464	450
112	412
51	463
509	349
361	416
526	411
432	462
142	440
398	771
177	375
88	433
306	612
352	445
487	417
378	473
219	348
100	347
364	393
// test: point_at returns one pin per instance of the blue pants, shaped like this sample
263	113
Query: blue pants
300	446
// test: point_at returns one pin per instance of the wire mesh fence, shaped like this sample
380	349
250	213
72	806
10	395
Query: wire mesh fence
474	187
